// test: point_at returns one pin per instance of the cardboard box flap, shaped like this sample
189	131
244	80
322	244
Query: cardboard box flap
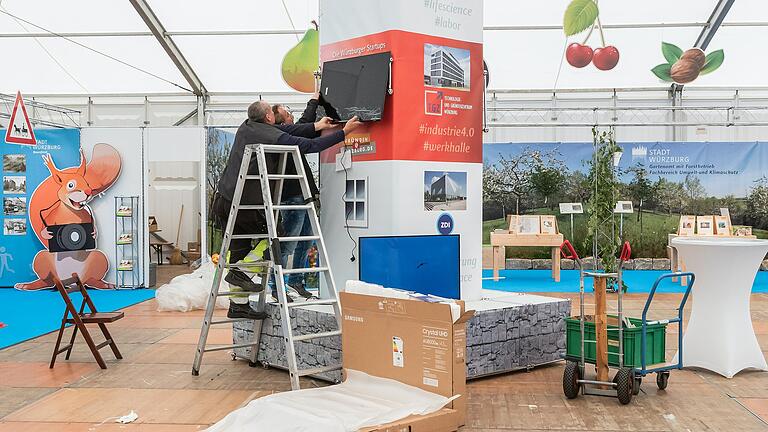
391	306
465	317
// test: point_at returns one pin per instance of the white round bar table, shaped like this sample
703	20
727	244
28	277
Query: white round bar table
719	336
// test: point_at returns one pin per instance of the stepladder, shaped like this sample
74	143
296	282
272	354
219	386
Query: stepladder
258	160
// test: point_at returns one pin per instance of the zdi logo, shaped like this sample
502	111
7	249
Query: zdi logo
433	102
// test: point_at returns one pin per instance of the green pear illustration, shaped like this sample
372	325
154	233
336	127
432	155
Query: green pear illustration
301	62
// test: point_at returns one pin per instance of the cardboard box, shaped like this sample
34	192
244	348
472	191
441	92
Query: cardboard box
411	341
445	420
153	224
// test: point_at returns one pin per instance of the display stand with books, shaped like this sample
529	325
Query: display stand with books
701	226
128	233
528	231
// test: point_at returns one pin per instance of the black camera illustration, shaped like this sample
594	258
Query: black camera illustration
71	237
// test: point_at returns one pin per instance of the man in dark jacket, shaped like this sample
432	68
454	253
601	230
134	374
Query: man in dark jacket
260	128
296	223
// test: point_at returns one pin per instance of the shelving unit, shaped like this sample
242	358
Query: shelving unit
128	233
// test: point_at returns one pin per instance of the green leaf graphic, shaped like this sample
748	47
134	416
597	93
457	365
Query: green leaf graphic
663	72
579	16
712	61
671	52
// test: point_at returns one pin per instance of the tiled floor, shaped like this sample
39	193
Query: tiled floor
154	380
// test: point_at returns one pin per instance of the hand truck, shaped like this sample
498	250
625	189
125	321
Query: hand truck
574	377
662	372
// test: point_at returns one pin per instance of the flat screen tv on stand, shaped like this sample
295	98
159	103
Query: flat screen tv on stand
427	264
355	86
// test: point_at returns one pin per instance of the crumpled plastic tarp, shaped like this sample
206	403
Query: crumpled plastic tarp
360	401
189	291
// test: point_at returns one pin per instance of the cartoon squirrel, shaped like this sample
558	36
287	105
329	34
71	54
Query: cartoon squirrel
62	199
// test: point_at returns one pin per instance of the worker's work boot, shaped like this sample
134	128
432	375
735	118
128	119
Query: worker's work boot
240	279
238	310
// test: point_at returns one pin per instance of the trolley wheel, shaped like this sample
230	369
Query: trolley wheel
624	378
571	376
636	385
252	364
662	379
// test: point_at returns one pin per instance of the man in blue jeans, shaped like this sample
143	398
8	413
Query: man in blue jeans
296	223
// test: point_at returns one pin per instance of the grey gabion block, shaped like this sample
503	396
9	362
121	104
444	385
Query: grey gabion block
628	265
542	264
518	264
643	263
516	337
764	265
498	340
313	353
567	264
661	264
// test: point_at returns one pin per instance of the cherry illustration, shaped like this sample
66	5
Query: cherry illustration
578	55
606	58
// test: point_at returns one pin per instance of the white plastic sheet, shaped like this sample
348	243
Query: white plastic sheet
360	401
189	291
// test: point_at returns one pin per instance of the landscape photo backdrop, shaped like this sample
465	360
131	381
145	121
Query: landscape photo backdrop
663	180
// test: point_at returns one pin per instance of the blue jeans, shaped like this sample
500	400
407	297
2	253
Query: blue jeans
295	224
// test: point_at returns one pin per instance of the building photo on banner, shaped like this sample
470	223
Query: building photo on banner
436	215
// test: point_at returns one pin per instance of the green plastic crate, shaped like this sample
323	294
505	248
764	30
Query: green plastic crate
655	342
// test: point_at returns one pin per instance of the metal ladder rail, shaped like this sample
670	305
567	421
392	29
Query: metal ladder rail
315	222
288	337
218	275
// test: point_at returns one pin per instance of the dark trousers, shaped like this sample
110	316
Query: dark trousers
247	222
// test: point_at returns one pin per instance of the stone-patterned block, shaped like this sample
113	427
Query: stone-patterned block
310	354
661	264
567	264
628	265
542	264
518	264
644	263
498	340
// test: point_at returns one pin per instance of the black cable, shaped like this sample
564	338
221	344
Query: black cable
96	51
343	201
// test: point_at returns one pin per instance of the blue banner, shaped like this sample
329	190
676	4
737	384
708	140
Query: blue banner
23	170
722	168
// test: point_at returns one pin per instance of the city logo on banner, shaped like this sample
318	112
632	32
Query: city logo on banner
19	128
433	102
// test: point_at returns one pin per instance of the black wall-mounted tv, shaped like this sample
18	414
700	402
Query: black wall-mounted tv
356	86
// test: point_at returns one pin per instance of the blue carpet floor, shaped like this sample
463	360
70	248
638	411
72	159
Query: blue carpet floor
28	314
638	281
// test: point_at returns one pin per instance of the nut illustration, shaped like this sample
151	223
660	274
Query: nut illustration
684	71
696	55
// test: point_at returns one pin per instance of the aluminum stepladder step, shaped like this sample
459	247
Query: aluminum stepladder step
273	267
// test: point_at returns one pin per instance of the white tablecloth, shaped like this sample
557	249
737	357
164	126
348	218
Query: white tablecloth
719	336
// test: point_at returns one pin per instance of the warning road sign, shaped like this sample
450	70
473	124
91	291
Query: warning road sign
20	129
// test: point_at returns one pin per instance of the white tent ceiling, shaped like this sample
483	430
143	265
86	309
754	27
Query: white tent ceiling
518	57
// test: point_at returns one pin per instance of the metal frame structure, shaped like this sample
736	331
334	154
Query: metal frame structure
507	108
174	53
41	113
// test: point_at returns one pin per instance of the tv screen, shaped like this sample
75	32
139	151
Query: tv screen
428	264
355	87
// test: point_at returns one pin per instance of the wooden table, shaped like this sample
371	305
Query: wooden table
157	243
502	240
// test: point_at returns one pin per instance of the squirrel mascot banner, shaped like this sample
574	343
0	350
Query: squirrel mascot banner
63	222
